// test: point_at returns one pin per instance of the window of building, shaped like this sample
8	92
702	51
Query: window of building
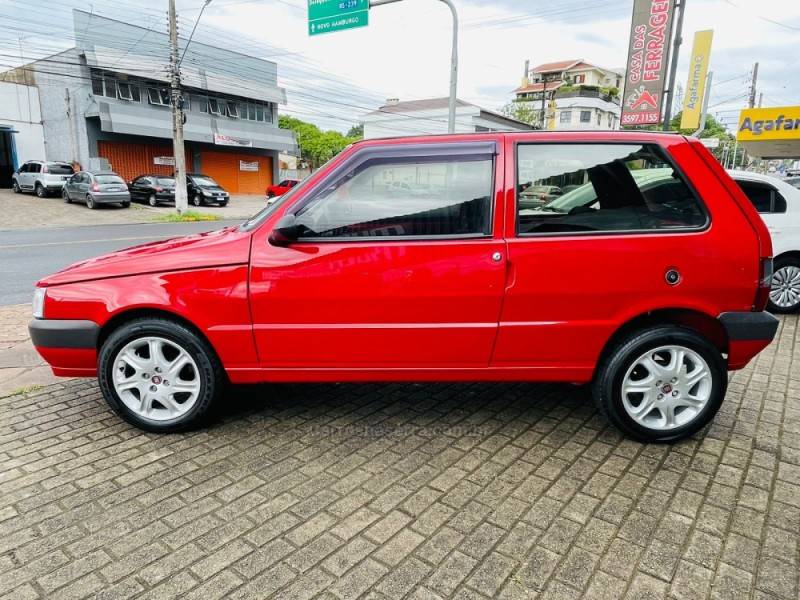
586	116
580	78
764	197
233	110
599	118
587	188
426	196
259	112
610	121
566	116
97	86
215	106
127	91
251	111
158	96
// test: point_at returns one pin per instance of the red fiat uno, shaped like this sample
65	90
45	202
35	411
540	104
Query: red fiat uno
414	260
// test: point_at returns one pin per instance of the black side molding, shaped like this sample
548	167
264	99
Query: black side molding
749	326
56	333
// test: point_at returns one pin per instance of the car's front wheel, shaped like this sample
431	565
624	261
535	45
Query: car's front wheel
65	195
15	187
159	375
784	297
197	200
661	384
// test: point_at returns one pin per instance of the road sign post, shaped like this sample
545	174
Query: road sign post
327	16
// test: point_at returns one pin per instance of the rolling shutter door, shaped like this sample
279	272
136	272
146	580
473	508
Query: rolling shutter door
234	171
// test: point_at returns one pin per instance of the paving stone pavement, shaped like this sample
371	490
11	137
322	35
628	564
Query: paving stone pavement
392	491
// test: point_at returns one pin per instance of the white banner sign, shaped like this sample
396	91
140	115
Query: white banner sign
248	166
710	142
229	140
164	160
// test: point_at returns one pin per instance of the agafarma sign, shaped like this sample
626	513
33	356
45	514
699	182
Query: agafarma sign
648	53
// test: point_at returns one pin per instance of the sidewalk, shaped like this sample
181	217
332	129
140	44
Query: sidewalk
21	367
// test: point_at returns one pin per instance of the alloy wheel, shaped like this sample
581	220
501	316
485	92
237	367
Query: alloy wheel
785	292
156	378
667	387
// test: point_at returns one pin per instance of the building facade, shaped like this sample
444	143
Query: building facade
21	131
106	104
429	117
572	94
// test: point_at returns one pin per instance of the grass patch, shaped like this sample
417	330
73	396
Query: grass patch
25	390
189	216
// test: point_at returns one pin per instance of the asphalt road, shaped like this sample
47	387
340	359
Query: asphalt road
28	255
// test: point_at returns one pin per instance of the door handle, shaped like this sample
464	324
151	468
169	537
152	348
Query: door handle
497	256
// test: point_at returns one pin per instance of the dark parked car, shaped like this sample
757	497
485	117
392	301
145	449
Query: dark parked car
153	189
202	189
96	188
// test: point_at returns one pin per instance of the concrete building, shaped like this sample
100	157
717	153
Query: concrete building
576	94
21	131
427	117
105	102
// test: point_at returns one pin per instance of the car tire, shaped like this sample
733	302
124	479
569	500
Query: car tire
152	404
197	200
662	363
15	187
152	200
126	204
223	204
65	196
41	192
90	203
784	296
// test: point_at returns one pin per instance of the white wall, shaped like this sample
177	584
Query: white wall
19	109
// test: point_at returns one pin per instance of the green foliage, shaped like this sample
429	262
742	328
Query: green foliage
713	129
316	146
189	216
356	132
521	111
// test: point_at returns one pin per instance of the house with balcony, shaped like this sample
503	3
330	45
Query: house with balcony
105	104
571	94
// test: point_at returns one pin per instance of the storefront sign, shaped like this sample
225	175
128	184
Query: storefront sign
248	166
762	124
698	74
651	33
164	160
229	140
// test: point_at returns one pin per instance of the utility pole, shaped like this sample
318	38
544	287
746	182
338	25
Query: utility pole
176	104
673	68
760	99
753	83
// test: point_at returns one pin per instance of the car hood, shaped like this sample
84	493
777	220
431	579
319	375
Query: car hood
228	246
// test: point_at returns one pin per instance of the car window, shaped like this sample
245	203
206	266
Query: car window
143	181
611	187
108	179
283	183
765	198
446	197
59	169
204	182
34	168
165	181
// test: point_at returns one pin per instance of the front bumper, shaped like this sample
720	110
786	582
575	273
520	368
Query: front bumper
748	334
68	346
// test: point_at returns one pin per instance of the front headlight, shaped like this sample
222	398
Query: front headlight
38	302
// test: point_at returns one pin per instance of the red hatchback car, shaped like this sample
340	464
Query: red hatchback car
281	188
412	260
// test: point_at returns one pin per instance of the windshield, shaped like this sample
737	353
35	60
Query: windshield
59	169
165	181
204	182
108	179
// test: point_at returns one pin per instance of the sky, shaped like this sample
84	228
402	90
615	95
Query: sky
404	53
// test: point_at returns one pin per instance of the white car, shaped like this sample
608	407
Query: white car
779	206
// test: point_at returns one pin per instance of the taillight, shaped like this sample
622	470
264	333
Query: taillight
764	284
95	187
45	169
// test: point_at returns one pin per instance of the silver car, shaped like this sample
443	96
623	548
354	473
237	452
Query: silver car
97	188
42	177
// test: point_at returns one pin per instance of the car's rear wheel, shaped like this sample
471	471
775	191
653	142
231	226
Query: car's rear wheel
41	191
661	384
152	201
90	203
784	297
15	187
159	375
126	204
65	195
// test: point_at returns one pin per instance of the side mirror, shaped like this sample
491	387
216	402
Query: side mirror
286	231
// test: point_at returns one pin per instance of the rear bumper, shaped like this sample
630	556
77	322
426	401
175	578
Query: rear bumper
748	334
68	346
111	198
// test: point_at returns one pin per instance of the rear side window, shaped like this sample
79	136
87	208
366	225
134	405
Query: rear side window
59	169
765	198
403	197
108	179
584	188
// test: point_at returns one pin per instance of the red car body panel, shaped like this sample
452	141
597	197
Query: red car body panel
428	309
279	190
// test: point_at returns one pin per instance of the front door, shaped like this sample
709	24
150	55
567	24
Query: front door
400	263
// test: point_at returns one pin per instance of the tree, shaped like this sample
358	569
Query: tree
316	146
521	111
356	132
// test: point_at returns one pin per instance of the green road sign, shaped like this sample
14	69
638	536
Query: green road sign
326	16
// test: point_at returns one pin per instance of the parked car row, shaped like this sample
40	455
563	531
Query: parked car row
106	187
